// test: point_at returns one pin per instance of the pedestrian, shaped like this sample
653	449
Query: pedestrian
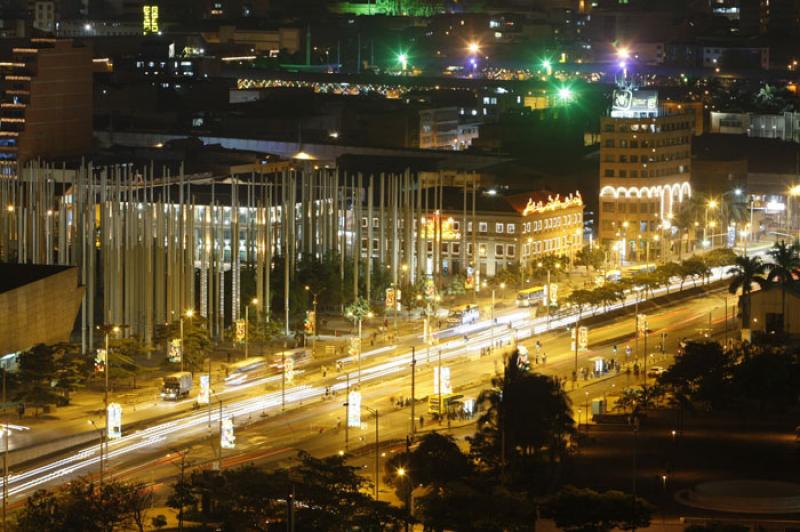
536	359
544	359
421	421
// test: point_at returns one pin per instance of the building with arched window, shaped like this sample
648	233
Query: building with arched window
645	173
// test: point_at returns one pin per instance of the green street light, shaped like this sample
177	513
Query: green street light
547	66
403	60
565	94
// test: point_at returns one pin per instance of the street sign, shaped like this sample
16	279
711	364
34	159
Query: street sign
205	390
175	350
446	385
354	409
227	438
114	421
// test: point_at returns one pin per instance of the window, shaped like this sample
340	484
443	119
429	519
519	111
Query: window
623	173
363	222
498	228
483	227
482	250
632	207
511	229
376	222
609	173
609	143
456	226
609	207
623	207
469	249
498	250
510	251
469	227
455	247
430	247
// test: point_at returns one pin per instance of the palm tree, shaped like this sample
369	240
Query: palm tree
746	272
785	262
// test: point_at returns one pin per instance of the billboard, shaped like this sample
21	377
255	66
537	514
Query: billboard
175	350
447	387
114	421
627	103
227	439
204	397
354	409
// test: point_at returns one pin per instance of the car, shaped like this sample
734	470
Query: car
655	371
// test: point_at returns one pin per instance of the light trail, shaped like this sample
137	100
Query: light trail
516	325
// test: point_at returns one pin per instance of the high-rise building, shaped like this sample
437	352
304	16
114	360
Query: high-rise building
46	105
645	172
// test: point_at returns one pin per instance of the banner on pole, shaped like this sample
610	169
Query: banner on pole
114	421
175	350
205	390
447	388
227	438
354	409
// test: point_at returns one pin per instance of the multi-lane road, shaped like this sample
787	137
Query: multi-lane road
273	420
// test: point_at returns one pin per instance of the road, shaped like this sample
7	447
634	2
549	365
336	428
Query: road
314	421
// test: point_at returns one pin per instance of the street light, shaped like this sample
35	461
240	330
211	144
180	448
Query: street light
403	60
474	47
254	302
189	314
314	295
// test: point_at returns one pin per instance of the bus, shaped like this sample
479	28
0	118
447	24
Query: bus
641	268
531	297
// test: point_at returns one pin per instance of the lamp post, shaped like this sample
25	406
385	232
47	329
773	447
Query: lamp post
403	474
314	295
190	315
358	313
115	329
254	301
547	298
710	205
377	450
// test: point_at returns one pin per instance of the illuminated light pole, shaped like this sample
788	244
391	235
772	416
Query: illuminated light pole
547	65
314	305
565	95
190	315
402	58
711	205
623	55
358	313
254	301
401	473
474	48
114	329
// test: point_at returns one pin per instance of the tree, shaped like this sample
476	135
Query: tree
784	265
197	342
746	272
701	373
585	510
666	272
87	507
590	256
524	427
72	369
37	370
694	268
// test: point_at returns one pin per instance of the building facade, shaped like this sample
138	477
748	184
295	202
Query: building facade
46	106
645	172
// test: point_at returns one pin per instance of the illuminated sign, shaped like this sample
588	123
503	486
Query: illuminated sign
101	356
227	439
553	204
354	409
149	19
583	338
551	293
205	390
239	332
390	298
175	350
447	388
429	288
627	103
114	421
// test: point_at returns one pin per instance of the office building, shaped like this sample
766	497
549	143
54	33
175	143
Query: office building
645	171
46	105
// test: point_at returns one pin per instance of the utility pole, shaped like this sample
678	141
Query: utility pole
413	390
347	413
219	443
439	391
377	450
283	378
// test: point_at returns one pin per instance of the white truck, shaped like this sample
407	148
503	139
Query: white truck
176	386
